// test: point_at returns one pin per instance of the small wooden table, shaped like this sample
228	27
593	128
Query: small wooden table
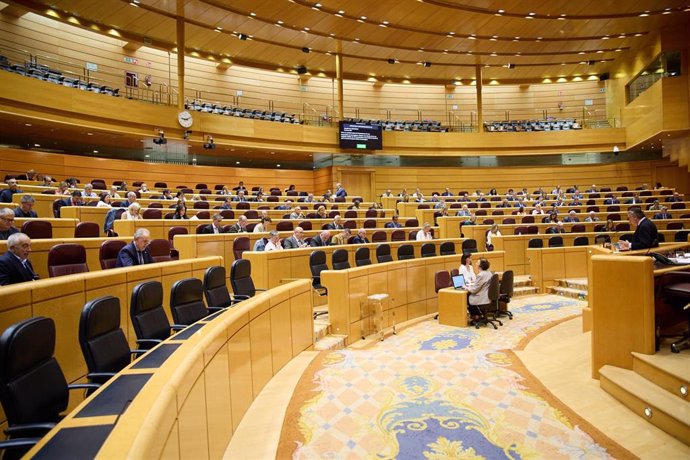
452	307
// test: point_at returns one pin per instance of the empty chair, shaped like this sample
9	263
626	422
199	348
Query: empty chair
87	230
413	235
674	226
203	215
284	226
378	236
239	245
351	214
67	259
532	230
362	257
520	230
306	225
527	219
398	235
673	287
160	185
57	204
678	206
623	227
428	250
577	228
317	264
411	223
339	259
581	241
370	213
149	321
227	213
383	253
160	250
216	289
556	242
251	214
469	246
187	301
201	205
241	280
99	184
601	239
171	239
681	236
103	343
447	248
508	221
38	229
369	223
614	216
405	252
107	253
152	213
505	294
535	243
33	389
442	279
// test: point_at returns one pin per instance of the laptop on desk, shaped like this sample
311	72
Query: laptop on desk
459	282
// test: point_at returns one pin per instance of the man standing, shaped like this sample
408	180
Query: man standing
215	227
645	235
26	208
6	195
136	253
7	223
15	266
296	241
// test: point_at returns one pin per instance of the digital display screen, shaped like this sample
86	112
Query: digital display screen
360	136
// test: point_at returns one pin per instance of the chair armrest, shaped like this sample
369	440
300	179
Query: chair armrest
84	386
148	341
100	377
19	429
138	352
260	289
18	443
240	297
215	309
178	327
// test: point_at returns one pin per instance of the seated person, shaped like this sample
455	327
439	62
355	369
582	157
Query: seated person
635	199
15	266
136	252
104	201
6	195
310	198
132	212
167	195
31	174
493	231
675	198
88	192
215	227
656	206
296	213
7	223
393	223
336	224
537	210
464	212
447	192
592	217
571	217
557	229
646	234
479	290
180	211
273	242
240	226
262	226
424	233
361	237
321	239
74	200
609	226
466	269
612	200
286	206
116	196
341	238
296	241
321	213
240	197
663	214
340	191
25	209
240	187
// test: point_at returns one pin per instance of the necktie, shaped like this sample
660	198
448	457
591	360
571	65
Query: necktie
141	258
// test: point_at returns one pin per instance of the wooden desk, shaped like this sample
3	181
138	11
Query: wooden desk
452	307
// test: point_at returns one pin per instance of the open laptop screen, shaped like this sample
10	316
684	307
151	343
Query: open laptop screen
459	281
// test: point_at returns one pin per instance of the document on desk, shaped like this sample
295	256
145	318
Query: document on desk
680	260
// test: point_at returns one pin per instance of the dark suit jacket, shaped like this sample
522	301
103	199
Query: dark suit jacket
128	257
358	240
333	226
645	236
19	213
291	243
392	224
209	229
12	271
317	241
662	215
6	195
236	228
10	231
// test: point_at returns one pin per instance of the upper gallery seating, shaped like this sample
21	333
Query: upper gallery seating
405	125
45	73
255	114
531	125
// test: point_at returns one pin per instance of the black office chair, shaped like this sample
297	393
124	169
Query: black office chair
535	243
447	248
491	307
148	317
428	250
317	264
469	246
581	241
556	242
383	253
405	252
187	301
506	293
215	288
362	257
33	389
103	343
241	280
339	259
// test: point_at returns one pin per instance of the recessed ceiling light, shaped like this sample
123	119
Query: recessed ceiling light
273	153
645	14
237	162
28	124
37	145
252	14
95	151
307	29
277	166
363	18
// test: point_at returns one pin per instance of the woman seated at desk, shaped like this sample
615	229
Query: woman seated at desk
467	270
479	290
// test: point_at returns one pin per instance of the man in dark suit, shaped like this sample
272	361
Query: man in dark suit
321	239
26	208
393	223
15	266
340	191
645	235
6	195
612	200
74	199
240	226
214	227
635	199
361	237
675	198
7	223
336	224
135	253
663	214
296	241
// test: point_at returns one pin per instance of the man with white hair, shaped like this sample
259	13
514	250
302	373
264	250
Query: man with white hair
240	226
88	192
15	266
296	241
131	198
136	252
425	233
7	228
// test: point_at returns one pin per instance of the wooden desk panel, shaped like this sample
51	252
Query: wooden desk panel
452	307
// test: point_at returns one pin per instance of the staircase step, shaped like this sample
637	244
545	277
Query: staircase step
670	371
331	342
664	410
321	329
519	291
522	280
573	283
569	292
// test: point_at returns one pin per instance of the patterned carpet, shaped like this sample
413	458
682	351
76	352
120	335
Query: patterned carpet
436	392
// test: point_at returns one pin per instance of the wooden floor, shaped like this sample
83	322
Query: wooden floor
559	357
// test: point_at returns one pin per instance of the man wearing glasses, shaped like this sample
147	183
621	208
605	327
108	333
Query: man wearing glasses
7	223
136	252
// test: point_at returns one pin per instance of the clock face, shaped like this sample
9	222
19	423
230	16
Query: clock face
185	119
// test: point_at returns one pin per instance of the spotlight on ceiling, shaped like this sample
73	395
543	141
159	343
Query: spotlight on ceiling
160	140
209	145
242	36
302	70
509	66
392	61
426	64
306	50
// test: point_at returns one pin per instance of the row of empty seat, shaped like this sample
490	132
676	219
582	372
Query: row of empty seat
531	125
256	114
403	125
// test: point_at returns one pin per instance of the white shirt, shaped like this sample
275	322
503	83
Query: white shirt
489	235
129	216
259	228
537	211
273	247
468	273
103	204
421	236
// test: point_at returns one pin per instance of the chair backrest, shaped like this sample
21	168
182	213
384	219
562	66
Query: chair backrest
371	213
87	230
532	230
681	236
623	227
160	250
494	288
99	184
614	216
241	278
239	245
428	250
674	226
227	213
317	263
351	224
339	259
581	241
383	253
362	257
601	239
577	228
469	246
411	223
33	388
201	205
284	226
67	259
351	214
405	252
398	235
152	213
103	343
38	229
442	280
57	204
107	254
556	242
251	214
176	231
508	221
378	236
447	248
147	314
528	219
369	223
306	225
187	301
507	283
413	235
215	288
535	243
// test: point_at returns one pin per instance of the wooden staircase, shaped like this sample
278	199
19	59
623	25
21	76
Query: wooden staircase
522	286
575	288
656	389
323	338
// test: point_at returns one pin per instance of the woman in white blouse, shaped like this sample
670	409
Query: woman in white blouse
104	202
490	234
466	268
132	212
